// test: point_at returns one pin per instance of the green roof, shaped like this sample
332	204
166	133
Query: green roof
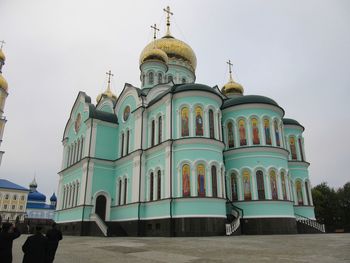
249	99
287	121
182	88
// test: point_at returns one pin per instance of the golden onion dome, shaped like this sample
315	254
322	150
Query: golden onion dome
232	87
154	54
2	55
3	83
173	48
108	93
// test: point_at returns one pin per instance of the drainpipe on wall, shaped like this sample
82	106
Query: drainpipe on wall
139	204
172	232
87	177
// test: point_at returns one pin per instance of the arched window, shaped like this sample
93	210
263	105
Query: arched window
234	190
122	147
242	133
170	78
301	149
127	141
64	197
299	193
255	130
184	122
159	185
125	190
153	132
73	195
230	138
273	183
186	185
277	134
211	124
183	80
150	78
201	180
246	186
81	148
160	78
120	192
267	131
151	183
284	188
68	156
260	184
199	121
293	149
160	129
214	181
307	192
77	194
78	150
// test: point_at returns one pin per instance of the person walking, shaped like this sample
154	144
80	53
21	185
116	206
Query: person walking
8	233
35	247
54	236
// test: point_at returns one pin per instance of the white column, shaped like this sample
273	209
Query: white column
208	185
179	182
262	132
249	133
206	122
193	180
254	187
191	120
279	186
303	190
272	133
236	134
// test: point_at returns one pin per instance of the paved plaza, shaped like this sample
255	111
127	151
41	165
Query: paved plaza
274	248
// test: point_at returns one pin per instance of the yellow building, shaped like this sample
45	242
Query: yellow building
13	201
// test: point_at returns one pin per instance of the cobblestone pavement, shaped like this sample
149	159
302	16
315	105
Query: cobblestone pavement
274	248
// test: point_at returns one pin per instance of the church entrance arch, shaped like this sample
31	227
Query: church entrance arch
100	208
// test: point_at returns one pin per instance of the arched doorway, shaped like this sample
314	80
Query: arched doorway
100	208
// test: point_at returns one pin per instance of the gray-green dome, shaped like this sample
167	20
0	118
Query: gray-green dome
287	121
193	86
249	99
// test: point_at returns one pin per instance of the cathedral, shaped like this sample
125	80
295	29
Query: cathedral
176	158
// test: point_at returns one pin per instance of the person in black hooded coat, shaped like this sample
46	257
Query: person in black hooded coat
54	236
35	248
6	239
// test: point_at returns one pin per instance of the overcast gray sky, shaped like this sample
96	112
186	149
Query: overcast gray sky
296	52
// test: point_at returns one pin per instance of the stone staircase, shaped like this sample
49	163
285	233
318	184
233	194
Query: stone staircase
234	227
100	223
307	225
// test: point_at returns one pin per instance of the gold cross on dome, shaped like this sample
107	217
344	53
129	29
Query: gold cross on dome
2	43
167	10
230	68
109	73
154	27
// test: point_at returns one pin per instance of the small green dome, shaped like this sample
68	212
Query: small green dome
287	121
249	99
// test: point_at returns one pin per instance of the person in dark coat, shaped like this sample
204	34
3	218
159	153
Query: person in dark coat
54	236
7	235
35	248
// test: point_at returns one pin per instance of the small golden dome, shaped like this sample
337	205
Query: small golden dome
2	55
108	93
173	48
232	87
3	83
154	54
